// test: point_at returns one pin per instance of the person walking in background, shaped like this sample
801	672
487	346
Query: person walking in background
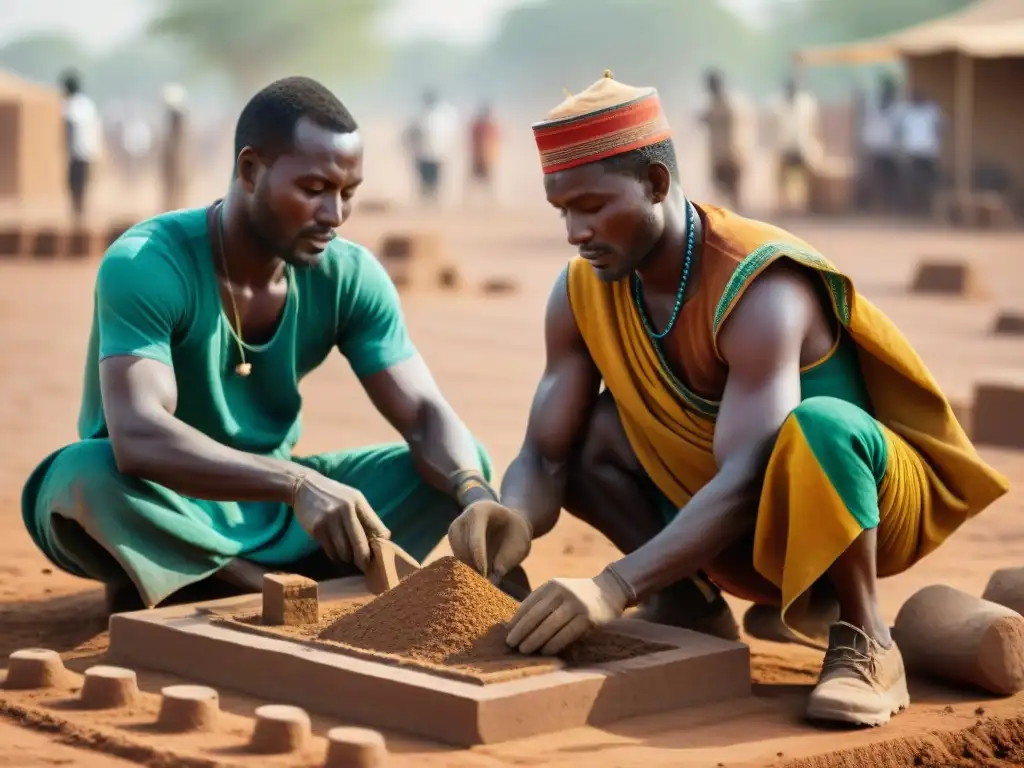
920	136
173	177
880	139
83	131
723	121
429	139
798	145
483	151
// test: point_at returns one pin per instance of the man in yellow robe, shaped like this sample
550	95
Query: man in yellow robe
763	429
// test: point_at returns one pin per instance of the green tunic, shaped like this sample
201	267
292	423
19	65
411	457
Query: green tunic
157	297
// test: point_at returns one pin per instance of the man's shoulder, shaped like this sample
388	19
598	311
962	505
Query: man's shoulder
773	312
157	248
174	229
347	263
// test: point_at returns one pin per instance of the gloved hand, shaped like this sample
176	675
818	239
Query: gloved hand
339	518
490	538
561	611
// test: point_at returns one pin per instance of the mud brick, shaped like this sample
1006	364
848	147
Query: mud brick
374	205
948	277
998	417
413	259
1005	587
114	231
449	278
1009	322
494	286
12	242
290	599
82	242
47	243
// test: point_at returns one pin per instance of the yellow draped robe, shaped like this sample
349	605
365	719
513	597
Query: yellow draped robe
934	479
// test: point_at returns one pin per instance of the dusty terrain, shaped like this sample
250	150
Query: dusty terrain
487	352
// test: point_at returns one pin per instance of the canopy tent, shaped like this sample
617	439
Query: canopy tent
31	140
985	29
970	63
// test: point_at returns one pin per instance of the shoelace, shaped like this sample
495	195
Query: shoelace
848	658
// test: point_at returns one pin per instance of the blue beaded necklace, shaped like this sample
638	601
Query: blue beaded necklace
638	290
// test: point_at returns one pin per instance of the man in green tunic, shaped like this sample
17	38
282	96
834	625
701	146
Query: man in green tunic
205	322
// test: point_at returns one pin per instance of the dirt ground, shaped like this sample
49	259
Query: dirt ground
487	352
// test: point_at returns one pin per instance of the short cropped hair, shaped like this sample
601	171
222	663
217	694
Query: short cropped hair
267	123
638	161
71	81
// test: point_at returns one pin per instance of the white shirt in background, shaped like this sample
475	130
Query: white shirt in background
880	129
137	137
921	130
81	114
437	128
796	122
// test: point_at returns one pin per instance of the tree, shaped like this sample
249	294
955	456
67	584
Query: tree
255	41
44	57
542	48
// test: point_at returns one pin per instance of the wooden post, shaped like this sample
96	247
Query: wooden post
963	119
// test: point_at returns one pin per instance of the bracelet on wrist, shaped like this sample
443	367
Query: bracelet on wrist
469	486
297	482
627	588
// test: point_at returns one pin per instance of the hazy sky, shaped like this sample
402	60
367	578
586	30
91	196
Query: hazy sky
100	23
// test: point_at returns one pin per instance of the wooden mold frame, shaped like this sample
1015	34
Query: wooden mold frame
190	641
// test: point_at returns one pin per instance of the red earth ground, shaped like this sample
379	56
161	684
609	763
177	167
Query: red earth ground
487	352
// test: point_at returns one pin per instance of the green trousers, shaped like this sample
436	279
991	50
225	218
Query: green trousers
94	522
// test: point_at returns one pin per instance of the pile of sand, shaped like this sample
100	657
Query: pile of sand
990	743
438	614
447	613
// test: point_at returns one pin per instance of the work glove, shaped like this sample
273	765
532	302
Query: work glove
490	538
338	517
561	611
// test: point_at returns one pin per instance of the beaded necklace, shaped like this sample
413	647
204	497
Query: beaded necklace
638	291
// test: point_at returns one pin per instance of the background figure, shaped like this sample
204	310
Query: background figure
921	141
798	146
880	138
82	124
483	151
136	145
722	120
173	170
429	138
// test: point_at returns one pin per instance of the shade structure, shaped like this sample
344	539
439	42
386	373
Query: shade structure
985	29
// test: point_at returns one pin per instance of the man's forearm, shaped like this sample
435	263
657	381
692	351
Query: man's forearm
446	455
188	462
535	488
716	516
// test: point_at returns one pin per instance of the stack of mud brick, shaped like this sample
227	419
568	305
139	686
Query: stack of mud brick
417	260
51	241
994	415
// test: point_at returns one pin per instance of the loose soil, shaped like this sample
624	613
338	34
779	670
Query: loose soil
987	743
450	621
487	354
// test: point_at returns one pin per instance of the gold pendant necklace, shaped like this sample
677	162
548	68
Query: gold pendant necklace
244	368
